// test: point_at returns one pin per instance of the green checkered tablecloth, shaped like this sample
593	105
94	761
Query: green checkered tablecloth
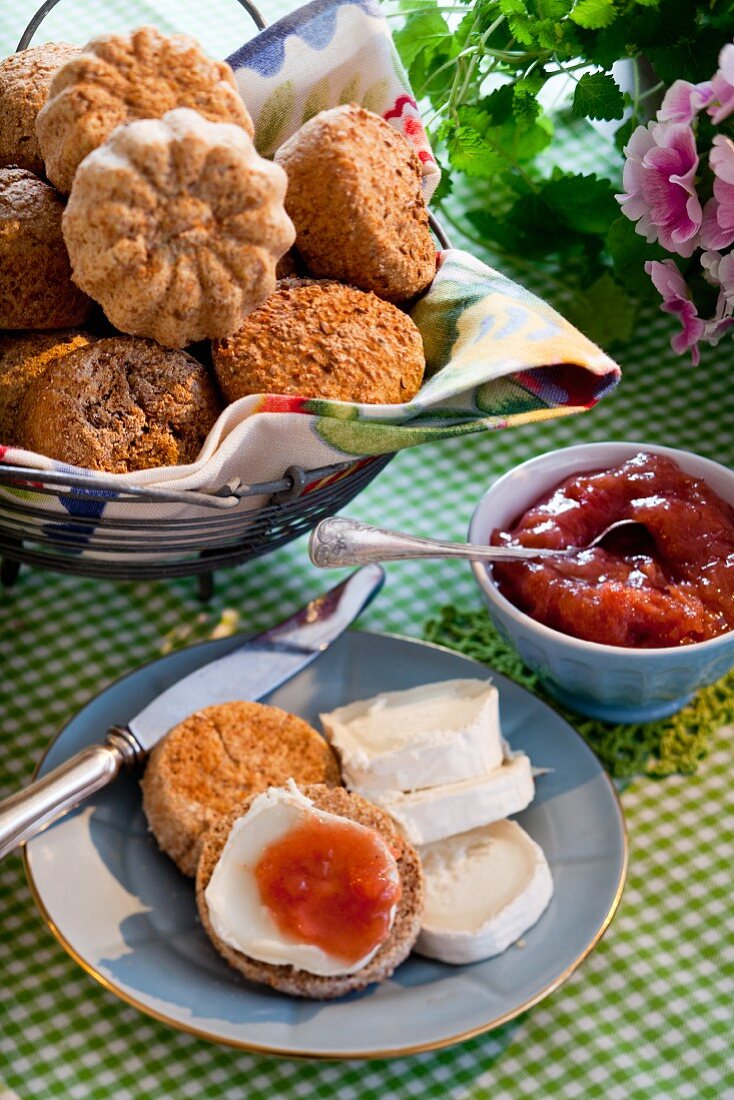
648	1015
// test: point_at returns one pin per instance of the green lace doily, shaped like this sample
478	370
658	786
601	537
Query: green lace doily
668	746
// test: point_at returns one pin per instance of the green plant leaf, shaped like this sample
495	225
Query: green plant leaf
520	141
424	32
528	228
549	34
605	312
685	58
497	106
552	9
594	14
525	106
629	252
466	27
519	20
529	28
445	186
515	140
514	7
583	203
514	199
598	96
427	78
470	153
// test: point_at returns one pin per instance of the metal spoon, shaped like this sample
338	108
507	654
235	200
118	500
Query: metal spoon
338	541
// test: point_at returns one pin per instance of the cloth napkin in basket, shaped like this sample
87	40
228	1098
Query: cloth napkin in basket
497	355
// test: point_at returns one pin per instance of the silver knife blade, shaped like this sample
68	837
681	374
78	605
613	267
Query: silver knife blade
261	663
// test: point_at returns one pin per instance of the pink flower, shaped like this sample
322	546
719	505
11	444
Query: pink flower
726	278
719	271
659	176
722	84
721	159
683	101
722	321
676	296
718	221
717	227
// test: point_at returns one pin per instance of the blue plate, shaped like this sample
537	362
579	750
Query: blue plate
127	916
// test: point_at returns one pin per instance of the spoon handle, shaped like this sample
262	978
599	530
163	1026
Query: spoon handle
338	541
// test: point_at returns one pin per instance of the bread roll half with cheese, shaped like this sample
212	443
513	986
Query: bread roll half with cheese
244	929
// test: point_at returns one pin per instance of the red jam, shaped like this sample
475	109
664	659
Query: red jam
329	884
671	587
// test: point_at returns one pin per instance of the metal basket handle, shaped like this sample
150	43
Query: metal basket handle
49	5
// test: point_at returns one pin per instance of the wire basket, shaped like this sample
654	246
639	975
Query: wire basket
78	538
137	548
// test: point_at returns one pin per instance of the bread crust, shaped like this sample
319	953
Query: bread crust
120	78
23	357
355	198
216	758
25	79
36	291
321	339
120	404
175	226
402	935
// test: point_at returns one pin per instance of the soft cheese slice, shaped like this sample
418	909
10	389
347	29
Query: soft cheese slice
432	814
237	914
408	740
484	890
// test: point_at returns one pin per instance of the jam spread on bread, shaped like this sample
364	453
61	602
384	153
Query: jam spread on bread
331	884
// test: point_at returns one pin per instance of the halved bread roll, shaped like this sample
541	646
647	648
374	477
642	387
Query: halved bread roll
391	952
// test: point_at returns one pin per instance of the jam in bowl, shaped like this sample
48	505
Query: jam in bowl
669	582
627	631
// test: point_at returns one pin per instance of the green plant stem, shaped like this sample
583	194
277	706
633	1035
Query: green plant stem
458	77
517	55
650	91
442	68
568	70
562	69
420	11
449	217
481	53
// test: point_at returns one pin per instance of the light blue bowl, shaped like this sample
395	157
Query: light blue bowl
614	683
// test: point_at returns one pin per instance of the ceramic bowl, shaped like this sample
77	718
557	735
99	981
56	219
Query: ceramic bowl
614	683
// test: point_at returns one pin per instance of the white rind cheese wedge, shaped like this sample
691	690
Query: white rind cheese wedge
408	740
429	815
484	890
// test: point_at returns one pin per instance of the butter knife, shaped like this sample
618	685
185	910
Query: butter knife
251	670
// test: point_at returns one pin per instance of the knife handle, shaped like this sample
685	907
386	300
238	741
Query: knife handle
31	810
